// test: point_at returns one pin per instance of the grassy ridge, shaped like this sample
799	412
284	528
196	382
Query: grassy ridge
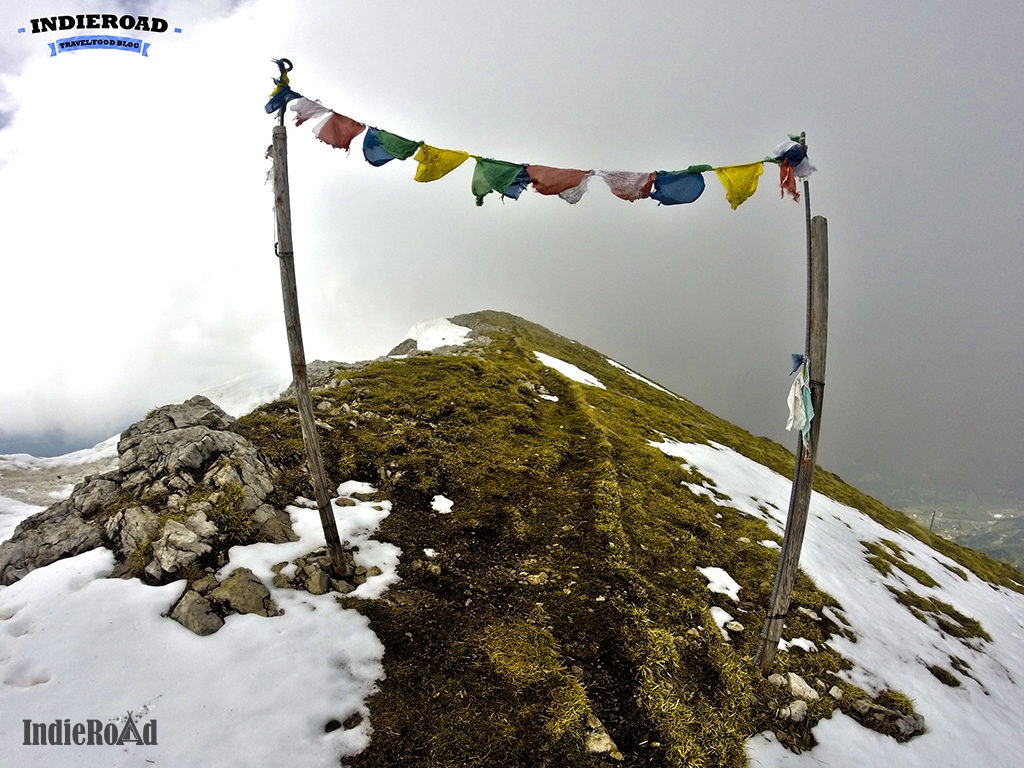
564	584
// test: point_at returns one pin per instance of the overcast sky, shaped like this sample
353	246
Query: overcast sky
138	264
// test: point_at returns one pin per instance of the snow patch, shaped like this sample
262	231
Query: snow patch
569	370
70	638
721	618
441	332
720	582
441	504
638	377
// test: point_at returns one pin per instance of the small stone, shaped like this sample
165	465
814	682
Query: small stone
910	725
318	583
836	692
195	613
341	586
281	581
798	710
734	626
243	592
777	680
799	688
597	741
205	584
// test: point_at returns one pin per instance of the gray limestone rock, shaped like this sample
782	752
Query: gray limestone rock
163	460
63	530
243	592
597	741
799	688
195	613
129	528
180	545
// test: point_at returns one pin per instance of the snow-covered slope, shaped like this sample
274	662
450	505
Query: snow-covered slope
978	722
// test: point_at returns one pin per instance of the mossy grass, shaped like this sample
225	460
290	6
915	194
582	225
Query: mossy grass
945	617
885	555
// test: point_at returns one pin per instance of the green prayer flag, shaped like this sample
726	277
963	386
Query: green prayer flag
493	176
396	145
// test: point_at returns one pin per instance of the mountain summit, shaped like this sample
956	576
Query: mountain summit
570	566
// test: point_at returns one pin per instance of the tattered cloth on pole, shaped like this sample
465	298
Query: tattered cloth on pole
787	181
801	411
796	154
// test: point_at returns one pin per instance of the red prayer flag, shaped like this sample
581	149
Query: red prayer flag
552	181
338	130
787	181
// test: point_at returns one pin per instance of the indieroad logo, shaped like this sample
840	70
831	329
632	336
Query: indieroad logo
89	733
99	21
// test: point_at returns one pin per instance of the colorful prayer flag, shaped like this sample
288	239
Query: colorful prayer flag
373	150
570	184
553	181
380	147
518	185
787	181
306	109
796	154
740	181
400	147
493	176
435	163
338	130
629	185
678	187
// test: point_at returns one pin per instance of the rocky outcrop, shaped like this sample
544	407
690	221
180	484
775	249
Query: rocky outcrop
65	529
188	486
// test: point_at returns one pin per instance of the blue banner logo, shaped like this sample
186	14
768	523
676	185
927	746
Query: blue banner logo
129	44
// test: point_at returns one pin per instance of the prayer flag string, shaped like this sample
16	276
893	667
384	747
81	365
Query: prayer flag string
510	179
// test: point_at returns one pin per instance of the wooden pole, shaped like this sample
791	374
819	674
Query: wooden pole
283	212
800	497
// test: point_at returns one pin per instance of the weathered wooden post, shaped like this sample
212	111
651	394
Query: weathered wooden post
800	497
283	247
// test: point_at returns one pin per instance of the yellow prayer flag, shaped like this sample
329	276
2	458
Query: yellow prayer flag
435	163
740	181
